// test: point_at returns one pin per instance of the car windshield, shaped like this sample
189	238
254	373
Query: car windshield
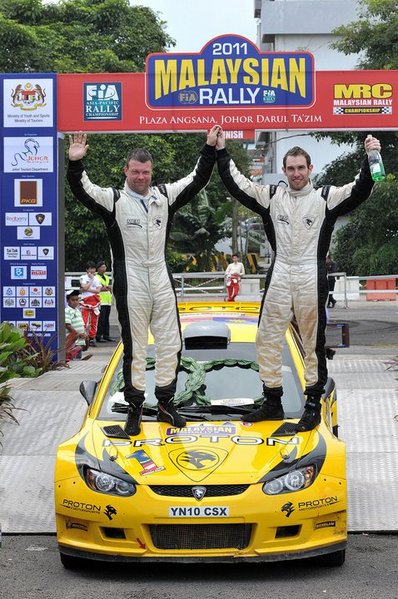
208	379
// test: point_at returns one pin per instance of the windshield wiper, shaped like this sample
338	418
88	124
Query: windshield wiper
221	409
193	413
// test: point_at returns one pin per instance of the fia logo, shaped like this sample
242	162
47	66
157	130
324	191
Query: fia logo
102	101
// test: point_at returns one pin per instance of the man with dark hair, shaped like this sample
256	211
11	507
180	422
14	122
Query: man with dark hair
299	222
297	151
138	219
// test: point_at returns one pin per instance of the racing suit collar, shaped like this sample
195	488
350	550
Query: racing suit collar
149	198
301	192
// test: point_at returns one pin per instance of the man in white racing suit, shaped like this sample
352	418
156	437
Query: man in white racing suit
138	219
299	222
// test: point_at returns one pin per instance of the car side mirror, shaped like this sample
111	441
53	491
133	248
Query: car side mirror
88	389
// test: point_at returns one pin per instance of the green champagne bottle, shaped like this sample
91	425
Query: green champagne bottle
376	165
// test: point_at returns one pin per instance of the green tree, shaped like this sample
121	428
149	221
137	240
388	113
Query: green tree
100	36
199	228
366	245
78	36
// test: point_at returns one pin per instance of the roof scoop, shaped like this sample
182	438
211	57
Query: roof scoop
207	334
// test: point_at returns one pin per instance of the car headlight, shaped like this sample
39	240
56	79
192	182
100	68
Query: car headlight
296	480
106	483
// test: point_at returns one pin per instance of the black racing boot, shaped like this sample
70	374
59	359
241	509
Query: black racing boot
168	413
271	409
133	422
311	416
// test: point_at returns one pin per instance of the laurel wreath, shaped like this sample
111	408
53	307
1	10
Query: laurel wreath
195	386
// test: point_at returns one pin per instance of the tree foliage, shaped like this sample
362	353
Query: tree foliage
78	36
368	244
374	36
103	36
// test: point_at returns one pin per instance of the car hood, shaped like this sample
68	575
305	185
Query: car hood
217	452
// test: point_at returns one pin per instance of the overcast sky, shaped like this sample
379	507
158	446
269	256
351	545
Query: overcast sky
192	23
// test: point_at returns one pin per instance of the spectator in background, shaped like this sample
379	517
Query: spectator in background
331	267
106	303
90	302
76	339
233	273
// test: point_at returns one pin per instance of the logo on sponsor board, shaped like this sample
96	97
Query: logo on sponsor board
28	97
230	71
102	101
28	192
362	98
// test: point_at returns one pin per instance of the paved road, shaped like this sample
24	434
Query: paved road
30	568
373	326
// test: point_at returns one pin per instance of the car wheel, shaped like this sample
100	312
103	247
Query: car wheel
71	563
332	560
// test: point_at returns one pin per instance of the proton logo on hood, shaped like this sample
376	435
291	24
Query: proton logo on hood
199	492
198	463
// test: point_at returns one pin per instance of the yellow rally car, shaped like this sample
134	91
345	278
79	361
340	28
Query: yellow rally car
218	490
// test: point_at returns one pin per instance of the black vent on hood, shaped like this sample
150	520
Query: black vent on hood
207	334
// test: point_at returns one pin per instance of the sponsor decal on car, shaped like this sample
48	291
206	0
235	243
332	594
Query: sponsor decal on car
81	507
327	524
181	439
148	465
199	511
271	441
76	525
91	508
317	503
197	463
204	430
287	509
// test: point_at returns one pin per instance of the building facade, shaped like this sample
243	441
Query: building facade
289	25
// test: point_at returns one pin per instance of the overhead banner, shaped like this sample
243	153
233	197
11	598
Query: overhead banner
232	83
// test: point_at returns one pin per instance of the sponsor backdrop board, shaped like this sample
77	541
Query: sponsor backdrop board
29	204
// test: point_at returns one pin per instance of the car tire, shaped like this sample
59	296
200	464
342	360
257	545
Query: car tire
332	560
71	563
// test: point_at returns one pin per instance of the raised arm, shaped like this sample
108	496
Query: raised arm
98	199
252	195
342	200
183	191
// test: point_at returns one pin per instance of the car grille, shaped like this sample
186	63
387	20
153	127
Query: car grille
186	490
201	536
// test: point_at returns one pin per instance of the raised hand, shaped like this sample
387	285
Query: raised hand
372	143
212	135
220	144
77	146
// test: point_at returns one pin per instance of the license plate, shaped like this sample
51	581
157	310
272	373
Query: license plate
216	511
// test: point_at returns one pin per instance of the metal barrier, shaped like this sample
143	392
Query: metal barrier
379	288
212	285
